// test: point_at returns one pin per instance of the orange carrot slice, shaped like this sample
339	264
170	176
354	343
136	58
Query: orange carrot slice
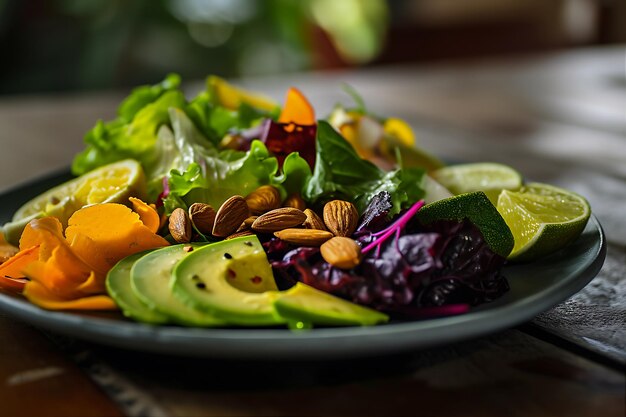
148	215
65	266
62	274
40	295
47	233
68	272
11	272
297	109
110	232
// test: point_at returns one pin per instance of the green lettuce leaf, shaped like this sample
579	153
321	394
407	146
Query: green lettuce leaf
213	180
120	139
134	133
215	121
341	174
203	174
144	95
295	174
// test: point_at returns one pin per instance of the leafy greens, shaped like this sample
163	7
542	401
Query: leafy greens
134	133
340	173
204	174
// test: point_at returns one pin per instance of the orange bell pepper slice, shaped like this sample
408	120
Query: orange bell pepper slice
297	109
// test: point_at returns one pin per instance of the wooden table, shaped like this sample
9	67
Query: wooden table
558	118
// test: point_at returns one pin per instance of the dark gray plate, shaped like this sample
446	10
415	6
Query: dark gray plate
535	288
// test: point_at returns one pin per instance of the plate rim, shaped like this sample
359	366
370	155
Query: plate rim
285	343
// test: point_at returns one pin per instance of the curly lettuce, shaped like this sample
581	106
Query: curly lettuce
204	174
134	133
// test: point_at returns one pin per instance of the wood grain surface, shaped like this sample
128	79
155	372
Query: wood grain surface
507	374
39	380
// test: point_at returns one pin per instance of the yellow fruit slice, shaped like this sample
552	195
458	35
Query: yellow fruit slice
231	97
401	130
488	177
542	218
113	183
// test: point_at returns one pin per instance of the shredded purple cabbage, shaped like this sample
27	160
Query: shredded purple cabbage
408	270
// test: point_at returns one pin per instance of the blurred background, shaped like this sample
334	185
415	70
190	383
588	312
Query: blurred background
78	45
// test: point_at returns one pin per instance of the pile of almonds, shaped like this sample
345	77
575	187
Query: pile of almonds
262	211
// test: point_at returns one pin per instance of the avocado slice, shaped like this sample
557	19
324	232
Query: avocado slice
150	282
118	286
305	304
231	279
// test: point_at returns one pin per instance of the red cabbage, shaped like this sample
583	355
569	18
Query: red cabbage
440	269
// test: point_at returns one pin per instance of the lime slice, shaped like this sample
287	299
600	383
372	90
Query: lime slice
112	183
477	208
491	178
543	219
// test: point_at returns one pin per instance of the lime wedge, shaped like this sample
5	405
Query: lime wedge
543	219
113	183
488	177
477	208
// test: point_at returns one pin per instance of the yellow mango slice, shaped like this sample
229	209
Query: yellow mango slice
232	97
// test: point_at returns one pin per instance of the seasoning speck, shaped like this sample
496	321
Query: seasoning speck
201	285
228	256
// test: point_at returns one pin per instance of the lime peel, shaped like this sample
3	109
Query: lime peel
477	208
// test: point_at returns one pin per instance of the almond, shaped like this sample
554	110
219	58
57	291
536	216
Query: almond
180	226
263	199
341	252
313	221
203	217
304	237
247	224
239	234
341	217
230	216
278	219
295	201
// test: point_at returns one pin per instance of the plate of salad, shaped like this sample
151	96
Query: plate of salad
229	225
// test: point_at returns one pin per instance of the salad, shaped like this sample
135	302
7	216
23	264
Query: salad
231	210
